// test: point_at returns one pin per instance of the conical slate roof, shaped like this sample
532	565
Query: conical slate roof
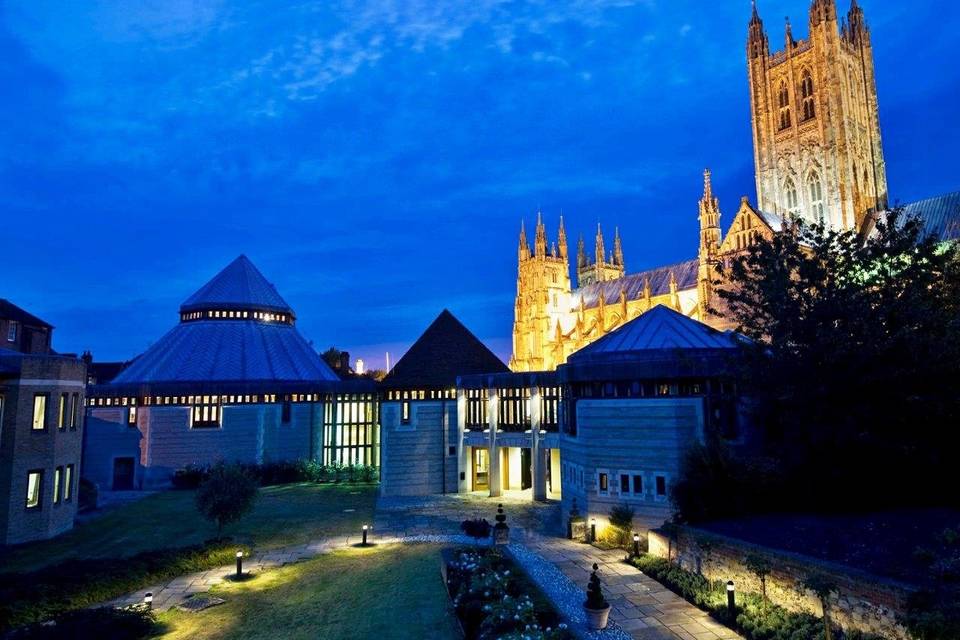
239	286
444	351
244	347
659	329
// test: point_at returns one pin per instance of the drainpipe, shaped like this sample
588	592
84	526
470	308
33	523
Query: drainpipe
443	447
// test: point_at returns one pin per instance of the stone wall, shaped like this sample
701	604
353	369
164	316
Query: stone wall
863	601
415	458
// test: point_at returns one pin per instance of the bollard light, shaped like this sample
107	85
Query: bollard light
593	529
239	564
365	528
148	599
636	545
731	598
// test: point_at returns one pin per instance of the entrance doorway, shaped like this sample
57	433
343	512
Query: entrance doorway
481	469
526	466
123	474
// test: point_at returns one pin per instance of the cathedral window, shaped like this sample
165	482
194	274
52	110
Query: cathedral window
783	100
816	198
793	203
806	93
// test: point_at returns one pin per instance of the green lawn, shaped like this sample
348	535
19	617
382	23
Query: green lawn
392	591
284	515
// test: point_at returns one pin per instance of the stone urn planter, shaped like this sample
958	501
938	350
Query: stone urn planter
596	606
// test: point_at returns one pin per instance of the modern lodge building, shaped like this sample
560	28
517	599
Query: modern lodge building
235	381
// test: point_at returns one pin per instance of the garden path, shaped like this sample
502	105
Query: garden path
642	608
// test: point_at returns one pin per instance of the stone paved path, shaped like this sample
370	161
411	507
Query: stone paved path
641	606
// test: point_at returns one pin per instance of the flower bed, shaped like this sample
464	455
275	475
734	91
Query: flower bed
755	618
496	601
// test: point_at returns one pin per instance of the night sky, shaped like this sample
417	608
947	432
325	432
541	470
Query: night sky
374	159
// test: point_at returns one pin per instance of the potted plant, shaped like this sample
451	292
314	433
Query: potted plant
596	606
501	532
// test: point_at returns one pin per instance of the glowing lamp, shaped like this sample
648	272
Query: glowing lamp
593	529
365	529
731	598
239	564
636	544
148	599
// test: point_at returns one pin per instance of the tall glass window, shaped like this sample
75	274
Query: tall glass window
815	188
40	411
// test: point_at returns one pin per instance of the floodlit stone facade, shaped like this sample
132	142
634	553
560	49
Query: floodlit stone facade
818	157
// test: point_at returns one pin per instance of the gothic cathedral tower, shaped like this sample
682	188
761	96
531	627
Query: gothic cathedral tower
543	300
816	125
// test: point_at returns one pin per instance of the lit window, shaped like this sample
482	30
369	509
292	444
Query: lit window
815	188
205	412
40	411
783	100
34	488
56	484
68	483
132	416
62	411
405	412
806	93
12	331
603	484
793	203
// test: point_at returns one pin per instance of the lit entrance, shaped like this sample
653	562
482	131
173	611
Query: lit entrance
481	469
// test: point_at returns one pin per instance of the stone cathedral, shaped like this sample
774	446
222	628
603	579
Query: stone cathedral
817	156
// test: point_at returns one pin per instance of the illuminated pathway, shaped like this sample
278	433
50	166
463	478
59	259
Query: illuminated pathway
642	608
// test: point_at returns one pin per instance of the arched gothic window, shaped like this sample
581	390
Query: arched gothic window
793	202
783	100
815	188
806	93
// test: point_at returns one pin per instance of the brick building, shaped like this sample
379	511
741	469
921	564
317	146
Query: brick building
41	430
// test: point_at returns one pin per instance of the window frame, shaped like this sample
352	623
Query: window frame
405	412
39	503
807	95
68	483
57	478
285	412
202	420
603	478
657	476
45	396
12	329
631	476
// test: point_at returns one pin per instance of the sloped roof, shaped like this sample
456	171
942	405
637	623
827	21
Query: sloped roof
239	286
444	351
773	221
684	272
941	215
11	311
228	351
659	329
212	351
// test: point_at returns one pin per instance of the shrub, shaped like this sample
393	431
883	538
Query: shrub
226	495
621	522
595	599
76	584
130	623
478	528
759	566
190	476
87	496
755	618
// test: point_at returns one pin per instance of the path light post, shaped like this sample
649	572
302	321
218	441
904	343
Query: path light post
636	545
148	599
365	527
239	564
731	598
593	529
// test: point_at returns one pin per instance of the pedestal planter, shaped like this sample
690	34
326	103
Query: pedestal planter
597	618
501	532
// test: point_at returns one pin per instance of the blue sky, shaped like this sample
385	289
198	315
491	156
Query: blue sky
374	159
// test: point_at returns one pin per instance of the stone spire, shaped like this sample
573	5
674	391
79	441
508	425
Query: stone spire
599	250
857	29
540	242
524	250
581	253
617	248
788	35
823	11
562	239
757	44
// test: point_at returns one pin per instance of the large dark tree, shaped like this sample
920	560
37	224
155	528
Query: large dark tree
855	365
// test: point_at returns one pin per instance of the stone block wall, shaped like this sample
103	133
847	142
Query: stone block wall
416	458
863	601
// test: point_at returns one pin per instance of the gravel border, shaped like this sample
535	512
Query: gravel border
566	596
